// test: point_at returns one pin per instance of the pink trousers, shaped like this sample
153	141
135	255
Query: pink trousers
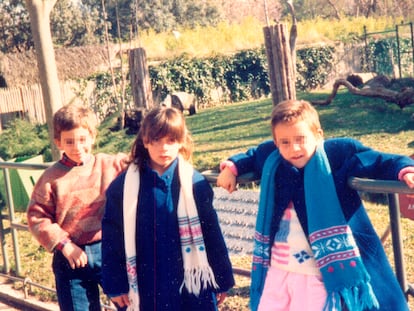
290	291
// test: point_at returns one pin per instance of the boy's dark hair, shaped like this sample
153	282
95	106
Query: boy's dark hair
73	116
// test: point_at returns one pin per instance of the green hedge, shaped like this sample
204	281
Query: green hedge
243	75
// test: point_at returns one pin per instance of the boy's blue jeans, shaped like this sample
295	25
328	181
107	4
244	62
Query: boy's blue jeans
78	289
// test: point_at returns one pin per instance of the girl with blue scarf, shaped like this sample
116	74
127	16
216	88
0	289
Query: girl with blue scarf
315	247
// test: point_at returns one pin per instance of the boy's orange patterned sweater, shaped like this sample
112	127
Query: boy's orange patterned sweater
68	202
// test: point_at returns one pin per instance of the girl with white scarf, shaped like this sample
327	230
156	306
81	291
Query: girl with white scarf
162	246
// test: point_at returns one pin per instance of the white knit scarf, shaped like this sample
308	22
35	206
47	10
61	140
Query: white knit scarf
197	271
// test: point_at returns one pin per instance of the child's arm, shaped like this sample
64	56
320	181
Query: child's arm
41	220
250	162
51	236
408	177
221	297
227	178
75	255
114	274
121	301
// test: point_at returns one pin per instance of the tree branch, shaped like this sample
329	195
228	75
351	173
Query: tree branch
402	98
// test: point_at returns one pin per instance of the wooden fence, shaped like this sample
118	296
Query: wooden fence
27	102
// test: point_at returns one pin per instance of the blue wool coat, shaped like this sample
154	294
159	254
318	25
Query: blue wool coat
347	157
159	260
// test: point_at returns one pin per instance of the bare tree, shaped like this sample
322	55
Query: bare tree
337	15
266	13
39	12
293	33
118	88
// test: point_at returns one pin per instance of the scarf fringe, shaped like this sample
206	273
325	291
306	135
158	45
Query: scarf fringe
357	298
197	271
198	278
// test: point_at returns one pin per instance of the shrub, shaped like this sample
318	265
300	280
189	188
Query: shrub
243	75
23	139
313	66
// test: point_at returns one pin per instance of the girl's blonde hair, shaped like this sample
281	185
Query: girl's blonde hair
289	111
158	123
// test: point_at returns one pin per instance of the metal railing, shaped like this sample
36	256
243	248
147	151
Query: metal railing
401	51
391	188
15	226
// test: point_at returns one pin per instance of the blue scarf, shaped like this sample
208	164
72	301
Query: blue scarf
335	251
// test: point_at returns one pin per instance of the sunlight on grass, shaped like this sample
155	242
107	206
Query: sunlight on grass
222	131
219	132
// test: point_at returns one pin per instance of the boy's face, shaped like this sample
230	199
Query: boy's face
162	152
76	144
296	142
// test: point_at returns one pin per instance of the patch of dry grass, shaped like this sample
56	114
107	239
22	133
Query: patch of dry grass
229	37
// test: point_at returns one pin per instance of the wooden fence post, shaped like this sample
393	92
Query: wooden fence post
140	79
280	63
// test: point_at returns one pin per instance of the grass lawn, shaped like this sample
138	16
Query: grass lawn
224	130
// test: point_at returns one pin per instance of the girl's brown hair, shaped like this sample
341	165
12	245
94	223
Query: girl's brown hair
158	123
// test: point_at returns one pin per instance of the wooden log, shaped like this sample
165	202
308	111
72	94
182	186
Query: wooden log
289	65
280	63
140	79
278	40
269	55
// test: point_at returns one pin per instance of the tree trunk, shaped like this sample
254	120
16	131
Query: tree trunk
140	80
293	35
39	12
281	68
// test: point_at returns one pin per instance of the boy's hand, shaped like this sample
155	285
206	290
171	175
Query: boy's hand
227	180
409	179
121	301
75	255
220	298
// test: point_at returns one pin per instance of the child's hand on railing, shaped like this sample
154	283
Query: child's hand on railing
227	180
409	179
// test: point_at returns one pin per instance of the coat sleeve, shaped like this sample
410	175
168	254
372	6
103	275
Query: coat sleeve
114	275
41	212
253	160
361	161
217	253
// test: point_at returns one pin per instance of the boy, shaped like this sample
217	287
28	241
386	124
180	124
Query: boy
315	248
66	207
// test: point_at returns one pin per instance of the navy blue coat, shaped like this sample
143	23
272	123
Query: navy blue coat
159	260
347	158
